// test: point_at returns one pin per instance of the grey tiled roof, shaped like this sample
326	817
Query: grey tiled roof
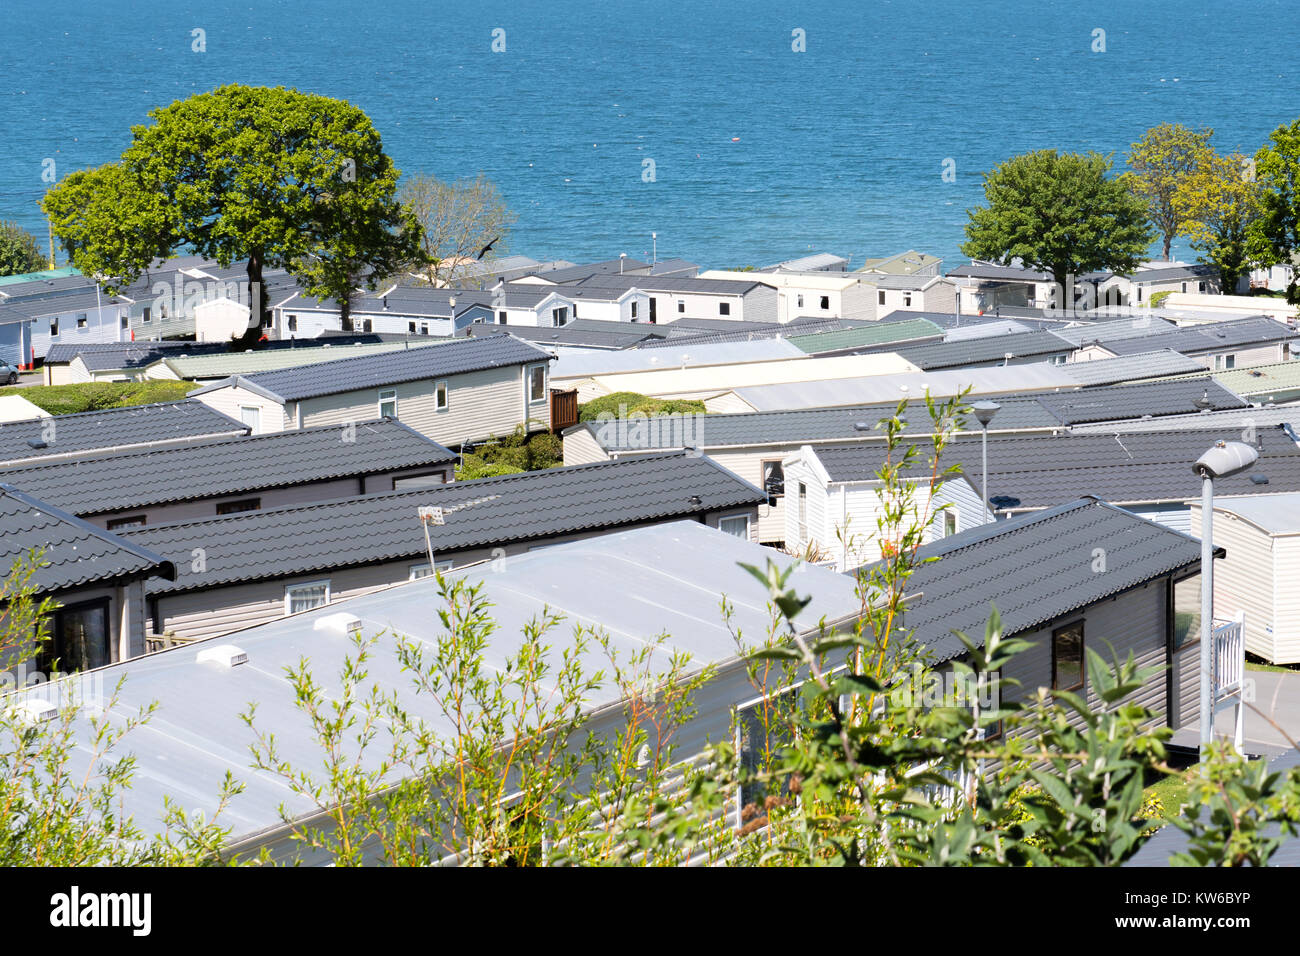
1017	412
987	349
1002	273
1193	271
77	552
793	427
62	353
1212	336
683	284
371	371
589	332
99	484
1119	402
1129	368
485	512
579	272
1030	472
111	428
1036	569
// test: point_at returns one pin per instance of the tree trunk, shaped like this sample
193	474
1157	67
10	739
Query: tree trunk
1168	243
257	304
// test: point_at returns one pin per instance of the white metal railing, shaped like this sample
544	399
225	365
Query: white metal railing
1228	673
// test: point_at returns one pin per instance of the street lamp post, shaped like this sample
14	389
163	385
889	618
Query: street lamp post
1223	460
984	411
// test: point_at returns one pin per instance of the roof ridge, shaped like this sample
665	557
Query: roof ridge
437	489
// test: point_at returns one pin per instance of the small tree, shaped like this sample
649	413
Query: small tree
462	222
1160	163
1061	213
20	252
1276	236
1219	204
273	176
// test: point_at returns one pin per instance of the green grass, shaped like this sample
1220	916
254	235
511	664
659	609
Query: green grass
1253	664
1171	792
93	396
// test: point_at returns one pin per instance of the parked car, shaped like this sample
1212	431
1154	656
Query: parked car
8	373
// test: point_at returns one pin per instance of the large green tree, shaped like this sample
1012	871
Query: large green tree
1061	213
1219	204
1160	162
269	175
1276	237
19	251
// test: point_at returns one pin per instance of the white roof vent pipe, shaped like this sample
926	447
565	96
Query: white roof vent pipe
225	655
341	623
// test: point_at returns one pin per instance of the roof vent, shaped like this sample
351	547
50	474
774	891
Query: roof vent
1259	479
340	623
37	443
227	655
34	711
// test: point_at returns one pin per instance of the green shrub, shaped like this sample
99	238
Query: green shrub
625	403
1158	297
476	467
94	396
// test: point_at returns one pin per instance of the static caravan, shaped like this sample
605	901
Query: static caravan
1261	534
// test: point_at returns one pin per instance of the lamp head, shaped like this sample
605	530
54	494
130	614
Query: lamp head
1225	459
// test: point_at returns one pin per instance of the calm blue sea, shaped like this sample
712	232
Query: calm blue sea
760	153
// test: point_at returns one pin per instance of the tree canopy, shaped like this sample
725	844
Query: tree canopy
1060	213
19	251
461	222
271	175
1219	204
1276	237
1160	162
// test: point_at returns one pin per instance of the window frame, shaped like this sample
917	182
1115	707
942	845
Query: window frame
765	475
381	401
532	384
254	429
824	302
747	536
441	395
125	523
724	308
880	297
256	500
1056	631
290	588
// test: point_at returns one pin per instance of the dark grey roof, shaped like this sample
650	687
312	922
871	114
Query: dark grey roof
1212	336
986	349
792	427
251	463
986	270
674	267
1135	367
579	272
1017	412
1194	271
485	512
716	332
112	428
1119	402
684	284
1030	568
593	333
1039	471
371	371
61	353
73	301
77	552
